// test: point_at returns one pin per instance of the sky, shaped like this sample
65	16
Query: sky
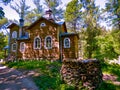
11	14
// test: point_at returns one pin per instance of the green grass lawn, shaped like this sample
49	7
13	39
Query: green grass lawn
49	74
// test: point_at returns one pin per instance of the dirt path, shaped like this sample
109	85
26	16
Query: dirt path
11	79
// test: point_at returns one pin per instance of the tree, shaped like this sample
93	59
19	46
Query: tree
73	14
113	11
35	13
32	16
54	6
38	5
21	8
3	21
3	43
1	9
91	26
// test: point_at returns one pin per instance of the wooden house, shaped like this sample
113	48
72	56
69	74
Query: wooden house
44	38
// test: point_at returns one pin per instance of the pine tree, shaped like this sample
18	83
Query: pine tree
113	11
73	14
21	8
38	6
91	26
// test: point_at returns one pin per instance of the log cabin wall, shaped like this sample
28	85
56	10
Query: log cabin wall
43	28
50	29
13	39
72	51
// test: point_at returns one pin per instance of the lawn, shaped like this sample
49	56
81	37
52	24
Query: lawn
49	74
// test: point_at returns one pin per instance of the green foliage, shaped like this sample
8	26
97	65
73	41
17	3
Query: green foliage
113	10
108	45
116	38
109	86
3	21
3	43
73	14
72	10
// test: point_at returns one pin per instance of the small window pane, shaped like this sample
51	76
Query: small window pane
14	47
14	34
22	46
66	43
37	43
48	42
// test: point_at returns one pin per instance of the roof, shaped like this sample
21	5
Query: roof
6	47
69	34
12	25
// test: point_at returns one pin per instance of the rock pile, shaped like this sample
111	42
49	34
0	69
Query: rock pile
82	73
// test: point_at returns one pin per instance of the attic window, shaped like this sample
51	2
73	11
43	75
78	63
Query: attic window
42	25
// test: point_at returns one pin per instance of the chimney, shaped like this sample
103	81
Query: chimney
21	21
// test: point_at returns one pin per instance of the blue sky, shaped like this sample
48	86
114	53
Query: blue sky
11	14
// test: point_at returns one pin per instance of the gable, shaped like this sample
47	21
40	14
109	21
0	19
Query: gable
40	21
13	25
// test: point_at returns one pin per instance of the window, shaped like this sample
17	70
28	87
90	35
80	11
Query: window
37	43
66	43
22	46
48	42
14	34
42	25
14	47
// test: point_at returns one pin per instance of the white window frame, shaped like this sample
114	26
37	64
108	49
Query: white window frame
66	46
14	34
14	50
37	43
22	47
47	47
42	25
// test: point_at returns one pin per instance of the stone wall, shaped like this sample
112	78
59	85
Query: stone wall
82	73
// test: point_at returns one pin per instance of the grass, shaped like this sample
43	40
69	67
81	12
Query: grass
50	79
111	69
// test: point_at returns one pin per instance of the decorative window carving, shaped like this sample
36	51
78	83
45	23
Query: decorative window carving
37	43
66	43
48	42
14	47
14	34
42	25
22	46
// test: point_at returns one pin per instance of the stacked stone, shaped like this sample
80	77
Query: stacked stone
85	73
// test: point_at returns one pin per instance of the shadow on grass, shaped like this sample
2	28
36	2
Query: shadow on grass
113	69
109	86
49	78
